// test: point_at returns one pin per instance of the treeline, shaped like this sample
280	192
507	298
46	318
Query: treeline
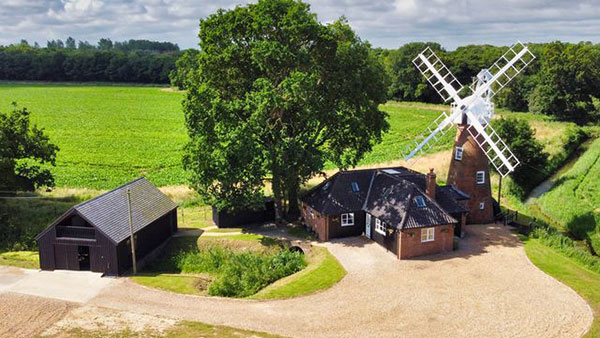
564	80
134	61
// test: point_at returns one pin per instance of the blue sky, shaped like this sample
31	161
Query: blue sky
387	24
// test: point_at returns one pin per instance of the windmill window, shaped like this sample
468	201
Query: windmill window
480	177
355	187
420	201
379	226
481	205
347	219
458	153
326	185
427	234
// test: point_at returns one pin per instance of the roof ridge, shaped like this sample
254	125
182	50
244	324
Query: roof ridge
108	192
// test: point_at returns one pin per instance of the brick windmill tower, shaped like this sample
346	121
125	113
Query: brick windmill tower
476	143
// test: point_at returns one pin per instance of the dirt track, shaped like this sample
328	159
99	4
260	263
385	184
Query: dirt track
487	289
28	316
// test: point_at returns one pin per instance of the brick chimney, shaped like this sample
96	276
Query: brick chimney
430	189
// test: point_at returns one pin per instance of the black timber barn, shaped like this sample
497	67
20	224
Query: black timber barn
95	235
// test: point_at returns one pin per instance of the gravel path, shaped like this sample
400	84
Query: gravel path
486	289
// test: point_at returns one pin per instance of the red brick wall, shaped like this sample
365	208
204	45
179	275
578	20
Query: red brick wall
463	175
410	245
317	222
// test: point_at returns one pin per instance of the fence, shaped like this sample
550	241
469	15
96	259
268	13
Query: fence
523	223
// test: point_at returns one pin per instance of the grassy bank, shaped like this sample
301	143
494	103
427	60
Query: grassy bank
574	200
584	281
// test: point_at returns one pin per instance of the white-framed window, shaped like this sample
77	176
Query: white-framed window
420	201
427	234
481	205
480	177
458	153
347	219
379	226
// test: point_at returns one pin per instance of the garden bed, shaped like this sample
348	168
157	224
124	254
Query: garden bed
232	266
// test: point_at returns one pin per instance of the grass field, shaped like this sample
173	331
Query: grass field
107	134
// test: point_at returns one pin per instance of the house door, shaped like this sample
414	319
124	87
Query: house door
368	226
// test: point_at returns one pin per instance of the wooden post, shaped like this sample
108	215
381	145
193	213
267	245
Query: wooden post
499	190
132	238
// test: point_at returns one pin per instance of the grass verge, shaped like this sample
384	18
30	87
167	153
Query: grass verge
21	259
323	271
585	282
181	330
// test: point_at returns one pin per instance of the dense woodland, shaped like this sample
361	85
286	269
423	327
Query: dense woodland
133	61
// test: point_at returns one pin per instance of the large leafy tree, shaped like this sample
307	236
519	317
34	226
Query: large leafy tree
23	149
520	138
568	79
275	96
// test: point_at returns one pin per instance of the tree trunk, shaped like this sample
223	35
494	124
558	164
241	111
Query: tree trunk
277	196
293	209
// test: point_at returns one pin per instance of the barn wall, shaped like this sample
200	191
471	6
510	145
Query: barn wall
61	253
147	239
224	219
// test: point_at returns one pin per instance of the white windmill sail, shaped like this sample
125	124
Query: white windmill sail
486	85
448	87
497	152
509	65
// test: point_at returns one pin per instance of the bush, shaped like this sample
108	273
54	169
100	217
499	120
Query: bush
238	274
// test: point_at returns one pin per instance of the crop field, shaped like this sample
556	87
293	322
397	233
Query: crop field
109	135
574	201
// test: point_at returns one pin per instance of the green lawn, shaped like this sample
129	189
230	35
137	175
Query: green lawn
107	135
585	282
21	259
323	271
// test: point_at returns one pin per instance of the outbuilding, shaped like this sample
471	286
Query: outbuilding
95	235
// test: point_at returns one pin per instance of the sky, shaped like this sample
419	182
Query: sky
387	24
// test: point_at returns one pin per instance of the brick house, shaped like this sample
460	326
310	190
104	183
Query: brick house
403	210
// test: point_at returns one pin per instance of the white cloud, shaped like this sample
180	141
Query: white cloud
385	23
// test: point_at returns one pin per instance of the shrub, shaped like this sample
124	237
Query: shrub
238	274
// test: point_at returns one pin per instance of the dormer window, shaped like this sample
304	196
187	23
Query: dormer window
355	187
420	201
458	153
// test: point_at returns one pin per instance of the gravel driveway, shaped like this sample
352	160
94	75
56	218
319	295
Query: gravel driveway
486	289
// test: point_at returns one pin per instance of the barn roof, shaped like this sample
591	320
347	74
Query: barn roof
109	212
387	194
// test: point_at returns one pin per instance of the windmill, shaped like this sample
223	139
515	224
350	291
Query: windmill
476	144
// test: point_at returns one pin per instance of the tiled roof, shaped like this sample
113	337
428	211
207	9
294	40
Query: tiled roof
109	212
387	194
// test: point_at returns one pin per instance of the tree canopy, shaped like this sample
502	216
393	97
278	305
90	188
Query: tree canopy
520	138
276	95
23	149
